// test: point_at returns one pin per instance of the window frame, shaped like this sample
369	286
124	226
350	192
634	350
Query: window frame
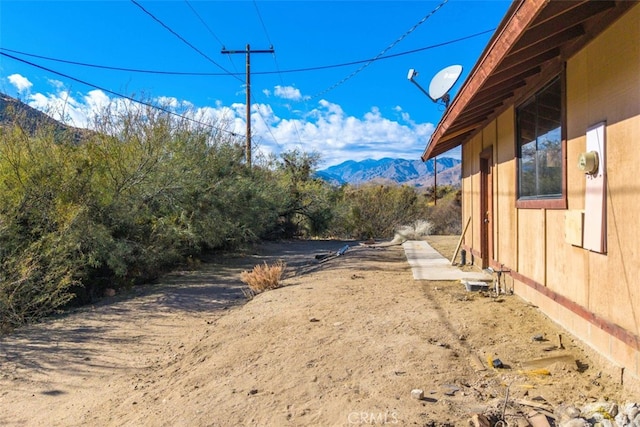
559	202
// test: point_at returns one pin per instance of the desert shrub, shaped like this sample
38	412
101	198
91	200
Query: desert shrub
140	193
375	211
307	203
263	277
446	215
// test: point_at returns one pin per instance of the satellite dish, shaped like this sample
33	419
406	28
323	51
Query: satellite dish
443	81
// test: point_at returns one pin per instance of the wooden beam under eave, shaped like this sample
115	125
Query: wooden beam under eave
450	144
569	18
556	40
451	136
595	26
522	15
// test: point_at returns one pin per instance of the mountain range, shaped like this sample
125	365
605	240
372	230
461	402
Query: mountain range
415	173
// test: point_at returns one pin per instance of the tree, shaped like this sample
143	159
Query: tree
308	208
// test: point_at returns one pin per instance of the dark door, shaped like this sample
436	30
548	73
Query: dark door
486	206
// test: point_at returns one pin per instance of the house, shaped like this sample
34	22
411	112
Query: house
549	124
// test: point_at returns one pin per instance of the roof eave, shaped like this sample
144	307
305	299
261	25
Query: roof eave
519	15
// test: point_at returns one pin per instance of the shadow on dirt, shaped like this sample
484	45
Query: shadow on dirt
205	292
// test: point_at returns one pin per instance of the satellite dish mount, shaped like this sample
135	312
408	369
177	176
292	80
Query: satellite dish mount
441	83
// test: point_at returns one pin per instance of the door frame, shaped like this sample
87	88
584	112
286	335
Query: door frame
486	206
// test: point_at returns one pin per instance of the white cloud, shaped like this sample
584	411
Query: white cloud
168	101
56	83
339	137
21	83
63	107
288	92
326	129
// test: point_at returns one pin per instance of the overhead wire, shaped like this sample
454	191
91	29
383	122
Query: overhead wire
185	41
233	65
264	27
385	50
120	95
295	70
295	126
366	62
195	12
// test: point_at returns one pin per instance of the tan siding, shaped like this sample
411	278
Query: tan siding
609	90
531	244
505	191
467	199
566	264
603	84
475	146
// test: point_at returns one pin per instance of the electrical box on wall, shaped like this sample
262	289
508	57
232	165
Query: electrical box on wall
593	164
589	162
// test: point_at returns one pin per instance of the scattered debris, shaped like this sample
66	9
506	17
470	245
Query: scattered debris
477	363
534	372
479	420
539	337
540	414
313	319
547	361
537	419
330	255
497	363
450	390
417	394
474	286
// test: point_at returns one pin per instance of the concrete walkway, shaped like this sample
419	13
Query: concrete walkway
427	264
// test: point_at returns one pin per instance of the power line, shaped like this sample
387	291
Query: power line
295	70
295	126
212	33
108	67
391	46
248	51
203	22
84	82
266	33
183	39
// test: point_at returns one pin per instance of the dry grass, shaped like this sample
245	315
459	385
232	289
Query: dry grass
263	277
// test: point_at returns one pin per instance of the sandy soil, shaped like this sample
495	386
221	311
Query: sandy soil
344	342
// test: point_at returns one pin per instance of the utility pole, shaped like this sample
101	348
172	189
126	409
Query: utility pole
248	53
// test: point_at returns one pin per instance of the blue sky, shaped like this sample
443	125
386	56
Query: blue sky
303	96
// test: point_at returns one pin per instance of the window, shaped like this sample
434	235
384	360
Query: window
540	149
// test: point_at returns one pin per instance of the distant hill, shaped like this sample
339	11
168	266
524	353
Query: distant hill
14	111
410	172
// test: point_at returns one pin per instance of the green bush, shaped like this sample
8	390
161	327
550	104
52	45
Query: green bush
140	194
375	211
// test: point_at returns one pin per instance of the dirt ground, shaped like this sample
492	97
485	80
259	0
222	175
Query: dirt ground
344	342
